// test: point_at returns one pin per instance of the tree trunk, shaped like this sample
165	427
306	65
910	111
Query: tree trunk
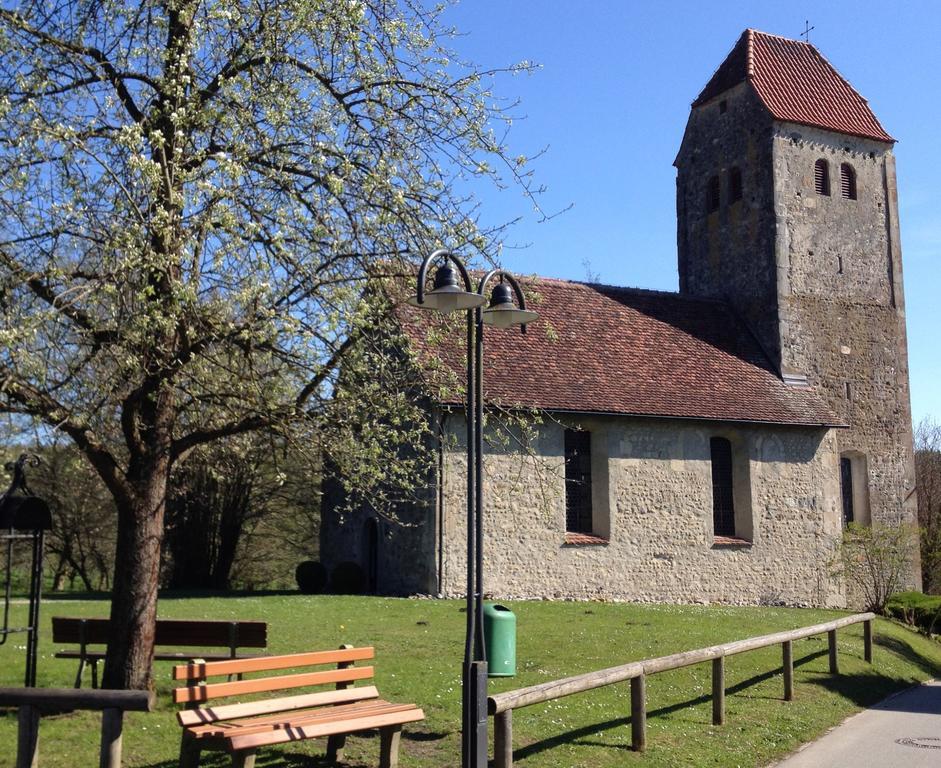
128	663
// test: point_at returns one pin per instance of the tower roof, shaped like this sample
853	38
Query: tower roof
796	84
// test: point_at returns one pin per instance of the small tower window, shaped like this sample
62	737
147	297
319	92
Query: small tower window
735	185
847	181
723	107
712	195
822	177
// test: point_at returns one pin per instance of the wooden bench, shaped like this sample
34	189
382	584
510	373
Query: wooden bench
169	633
32	703
241	728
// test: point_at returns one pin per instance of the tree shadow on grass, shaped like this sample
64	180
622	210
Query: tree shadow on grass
905	649
579	735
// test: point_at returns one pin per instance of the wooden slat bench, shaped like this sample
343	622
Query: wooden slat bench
241	728
33	703
169	633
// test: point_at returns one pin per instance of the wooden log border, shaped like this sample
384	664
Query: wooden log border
501	705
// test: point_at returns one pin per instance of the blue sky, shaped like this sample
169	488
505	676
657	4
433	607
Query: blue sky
610	103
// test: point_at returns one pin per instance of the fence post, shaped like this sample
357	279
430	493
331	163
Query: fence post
718	691
831	641
503	739
27	742
639	713
867	640
112	721
787	652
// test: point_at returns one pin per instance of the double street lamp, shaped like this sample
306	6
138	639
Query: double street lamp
450	295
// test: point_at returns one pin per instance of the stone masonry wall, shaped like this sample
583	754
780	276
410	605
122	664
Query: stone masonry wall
711	245
653	499
818	278
842	304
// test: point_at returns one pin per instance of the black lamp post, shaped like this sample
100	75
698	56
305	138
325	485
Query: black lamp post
448	296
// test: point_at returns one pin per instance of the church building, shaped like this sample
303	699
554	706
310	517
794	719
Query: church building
707	445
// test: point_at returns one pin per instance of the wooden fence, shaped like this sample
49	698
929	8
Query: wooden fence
33	703
501	705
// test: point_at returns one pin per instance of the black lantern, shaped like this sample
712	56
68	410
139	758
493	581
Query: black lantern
502	312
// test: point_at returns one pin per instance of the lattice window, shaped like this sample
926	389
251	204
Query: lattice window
578	517
822	177
847	181
723	505
712	195
735	185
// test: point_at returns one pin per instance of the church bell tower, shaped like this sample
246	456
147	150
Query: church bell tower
787	209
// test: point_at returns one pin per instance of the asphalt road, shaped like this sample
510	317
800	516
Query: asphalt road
904	731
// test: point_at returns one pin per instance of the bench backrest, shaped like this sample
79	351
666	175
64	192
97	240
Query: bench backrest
342	674
176	632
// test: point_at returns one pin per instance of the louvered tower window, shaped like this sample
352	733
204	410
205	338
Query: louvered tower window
735	185
578	481
847	182
712	194
822	177
723	507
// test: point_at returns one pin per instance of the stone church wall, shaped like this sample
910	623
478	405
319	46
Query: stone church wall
818	278
652	501
842	304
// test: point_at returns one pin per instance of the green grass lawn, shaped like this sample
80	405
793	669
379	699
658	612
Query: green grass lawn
419	645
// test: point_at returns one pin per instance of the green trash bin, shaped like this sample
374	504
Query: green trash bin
500	637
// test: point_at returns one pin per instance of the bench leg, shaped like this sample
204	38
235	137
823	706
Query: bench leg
94	673
78	675
335	745
389	738
27	742
189	751
244	759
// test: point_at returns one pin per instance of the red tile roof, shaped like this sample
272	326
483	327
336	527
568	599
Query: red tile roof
600	349
796	84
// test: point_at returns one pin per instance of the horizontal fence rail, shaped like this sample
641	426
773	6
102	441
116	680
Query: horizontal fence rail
501	705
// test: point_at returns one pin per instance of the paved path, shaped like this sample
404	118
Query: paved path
904	731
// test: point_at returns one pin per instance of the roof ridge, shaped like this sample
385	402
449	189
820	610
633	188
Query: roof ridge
628	288
754	31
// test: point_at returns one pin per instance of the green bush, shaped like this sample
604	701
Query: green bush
311	577
917	609
347	578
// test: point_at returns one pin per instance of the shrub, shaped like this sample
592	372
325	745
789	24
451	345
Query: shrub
875	559
347	578
916	609
311	577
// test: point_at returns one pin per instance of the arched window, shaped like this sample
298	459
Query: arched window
854	487
712	194
847	181
371	554
723	505
735	185
846	490
822	177
578	516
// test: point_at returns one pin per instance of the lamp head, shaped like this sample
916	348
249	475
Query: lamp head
447	294
502	312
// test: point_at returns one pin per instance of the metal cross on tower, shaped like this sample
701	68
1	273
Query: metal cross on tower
806	33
